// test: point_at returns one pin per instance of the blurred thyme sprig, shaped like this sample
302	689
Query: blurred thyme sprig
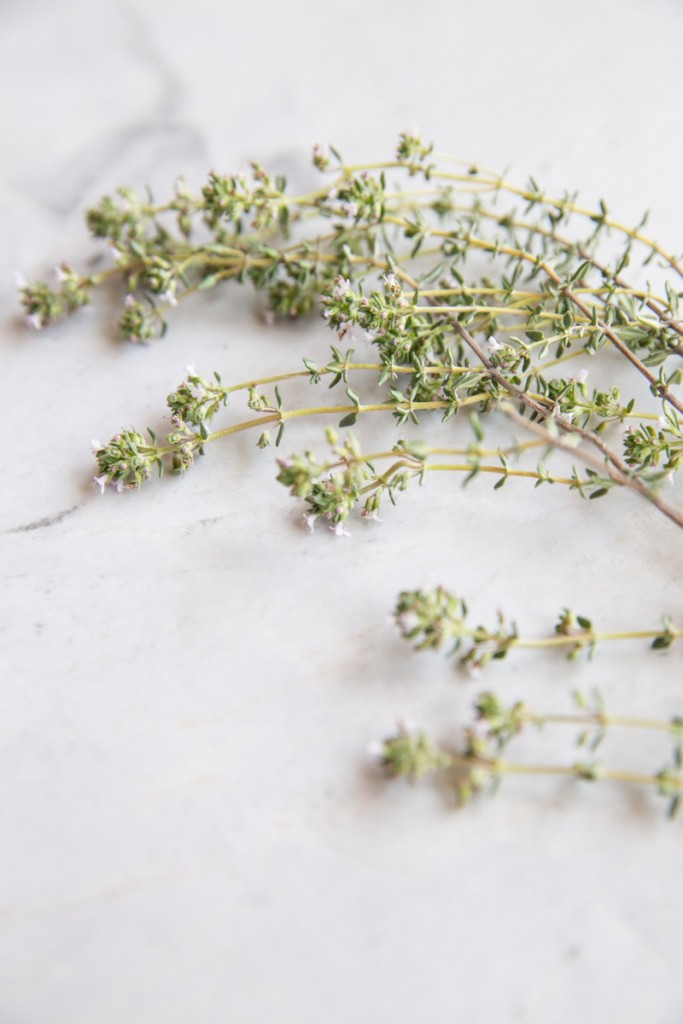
477	765
437	619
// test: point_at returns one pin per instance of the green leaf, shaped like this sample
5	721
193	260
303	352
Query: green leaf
347	421
579	274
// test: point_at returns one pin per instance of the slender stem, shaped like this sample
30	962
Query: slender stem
565	204
620	476
505	471
637	778
282	415
600	720
591	637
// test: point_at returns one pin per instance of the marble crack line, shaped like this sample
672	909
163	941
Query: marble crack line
42	524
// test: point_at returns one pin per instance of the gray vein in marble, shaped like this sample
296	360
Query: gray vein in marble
156	130
41	524
82	173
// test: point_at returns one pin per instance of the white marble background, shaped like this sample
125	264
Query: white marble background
189	679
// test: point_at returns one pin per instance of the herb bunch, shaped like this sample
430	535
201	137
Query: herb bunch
452	292
460	300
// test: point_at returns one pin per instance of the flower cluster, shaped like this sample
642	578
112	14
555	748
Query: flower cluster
409	754
331	496
359	198
431	618
196	400
184	445
138	323
384	315
117	218
231	198
647	446
44	305
126	461
413	151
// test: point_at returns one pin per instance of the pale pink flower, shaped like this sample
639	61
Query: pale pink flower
341	287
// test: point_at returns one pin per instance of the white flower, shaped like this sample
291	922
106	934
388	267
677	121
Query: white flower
341	287
493	345
345	330
582	376
20	280
96	445
309	519
670	478
130	301
340	530
101	481
169	297
35	321
368	516
390	281
61	275
349	209
190	370
407	622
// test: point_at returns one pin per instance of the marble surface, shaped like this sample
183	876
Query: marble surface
189	680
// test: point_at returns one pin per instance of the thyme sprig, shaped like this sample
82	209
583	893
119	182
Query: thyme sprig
477	764
437	619
128	459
